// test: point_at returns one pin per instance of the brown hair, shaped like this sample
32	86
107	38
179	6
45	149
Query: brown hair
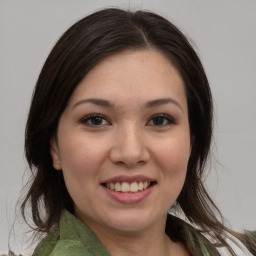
80	48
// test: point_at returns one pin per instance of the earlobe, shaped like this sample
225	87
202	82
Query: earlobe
55	154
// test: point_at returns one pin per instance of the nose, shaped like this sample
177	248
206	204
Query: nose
129	147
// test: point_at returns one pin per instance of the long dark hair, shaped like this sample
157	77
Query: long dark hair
80	48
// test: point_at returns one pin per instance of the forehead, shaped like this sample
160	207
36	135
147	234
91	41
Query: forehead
132	74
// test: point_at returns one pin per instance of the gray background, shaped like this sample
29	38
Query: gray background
224	34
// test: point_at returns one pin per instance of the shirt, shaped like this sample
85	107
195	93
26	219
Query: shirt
71	237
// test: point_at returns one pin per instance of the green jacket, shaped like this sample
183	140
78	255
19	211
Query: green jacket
72	238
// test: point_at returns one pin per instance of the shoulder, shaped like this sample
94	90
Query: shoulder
47	244
60	248
196	243
70	238
51	245
199	244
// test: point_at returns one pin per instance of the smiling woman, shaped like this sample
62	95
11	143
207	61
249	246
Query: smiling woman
119	132
108	151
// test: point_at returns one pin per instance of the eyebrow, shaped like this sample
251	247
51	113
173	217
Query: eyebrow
159	102
149	104
99	102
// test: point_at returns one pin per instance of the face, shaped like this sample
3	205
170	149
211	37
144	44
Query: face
123	142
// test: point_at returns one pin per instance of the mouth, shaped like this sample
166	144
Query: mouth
128	187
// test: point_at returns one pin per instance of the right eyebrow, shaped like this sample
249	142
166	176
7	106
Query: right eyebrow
99	102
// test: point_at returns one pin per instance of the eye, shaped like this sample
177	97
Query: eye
95	120
160	120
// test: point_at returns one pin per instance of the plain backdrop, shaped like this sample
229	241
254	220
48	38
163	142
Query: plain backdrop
224	35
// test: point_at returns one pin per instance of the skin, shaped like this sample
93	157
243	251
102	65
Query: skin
127	140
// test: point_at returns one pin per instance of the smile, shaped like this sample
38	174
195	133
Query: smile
129	184
129	189
126	187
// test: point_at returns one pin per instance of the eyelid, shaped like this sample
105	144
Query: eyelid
170	119
91	116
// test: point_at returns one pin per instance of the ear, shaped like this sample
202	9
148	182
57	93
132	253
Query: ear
55	154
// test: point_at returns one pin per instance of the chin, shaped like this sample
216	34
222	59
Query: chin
134	222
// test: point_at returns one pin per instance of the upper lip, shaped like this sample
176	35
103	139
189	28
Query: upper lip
129	179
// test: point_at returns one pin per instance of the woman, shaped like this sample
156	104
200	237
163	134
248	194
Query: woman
119	132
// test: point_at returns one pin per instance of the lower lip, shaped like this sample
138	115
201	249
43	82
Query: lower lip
129	198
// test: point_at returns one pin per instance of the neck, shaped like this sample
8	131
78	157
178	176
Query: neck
151	241
137	244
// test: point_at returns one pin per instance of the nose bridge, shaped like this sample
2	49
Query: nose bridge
130	146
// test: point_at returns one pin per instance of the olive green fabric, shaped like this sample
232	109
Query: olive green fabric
72	238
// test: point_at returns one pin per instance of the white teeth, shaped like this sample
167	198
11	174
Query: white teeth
141	185
125	187
117	187
112	186
134	187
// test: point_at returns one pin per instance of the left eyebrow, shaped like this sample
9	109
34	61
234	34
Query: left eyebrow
159	102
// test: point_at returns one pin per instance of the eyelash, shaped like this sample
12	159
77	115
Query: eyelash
90	117
102	118
166	117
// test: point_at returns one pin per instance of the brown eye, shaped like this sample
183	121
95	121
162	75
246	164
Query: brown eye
94	120
160	120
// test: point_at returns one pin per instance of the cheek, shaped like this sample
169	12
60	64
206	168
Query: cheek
80	158
171	159
173	156
175	152
81	168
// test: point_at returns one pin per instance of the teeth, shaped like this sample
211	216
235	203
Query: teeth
117	187
134	187
125	187
141	185
111	186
